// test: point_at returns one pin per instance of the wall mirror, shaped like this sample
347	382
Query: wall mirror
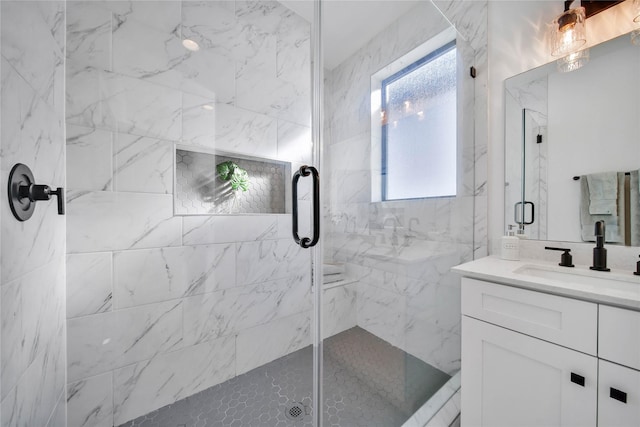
572	148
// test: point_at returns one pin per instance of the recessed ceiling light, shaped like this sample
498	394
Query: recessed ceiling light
190	45
207	107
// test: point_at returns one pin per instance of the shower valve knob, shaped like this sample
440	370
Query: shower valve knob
37	192
23	193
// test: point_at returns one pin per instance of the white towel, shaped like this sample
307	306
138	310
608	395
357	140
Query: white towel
587	220
603	193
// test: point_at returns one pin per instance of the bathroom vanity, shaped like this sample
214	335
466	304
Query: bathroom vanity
544	345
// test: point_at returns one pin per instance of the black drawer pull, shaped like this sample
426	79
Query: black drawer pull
577	379
616	394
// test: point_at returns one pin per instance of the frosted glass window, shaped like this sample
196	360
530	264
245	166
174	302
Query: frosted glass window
419	128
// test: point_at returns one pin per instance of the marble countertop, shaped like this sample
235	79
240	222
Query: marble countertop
618	288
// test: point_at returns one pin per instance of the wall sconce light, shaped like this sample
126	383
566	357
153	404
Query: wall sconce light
568	31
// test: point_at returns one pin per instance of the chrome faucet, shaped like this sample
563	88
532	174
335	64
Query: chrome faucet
599	252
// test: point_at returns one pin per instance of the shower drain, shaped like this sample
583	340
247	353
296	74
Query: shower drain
296	411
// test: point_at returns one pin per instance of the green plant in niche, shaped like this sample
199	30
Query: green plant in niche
230	171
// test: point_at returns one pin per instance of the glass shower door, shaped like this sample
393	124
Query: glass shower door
398	115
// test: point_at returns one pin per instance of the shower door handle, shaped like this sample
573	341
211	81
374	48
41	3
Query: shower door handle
519	217
306	242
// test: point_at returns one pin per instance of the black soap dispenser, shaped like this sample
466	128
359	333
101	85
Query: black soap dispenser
637	272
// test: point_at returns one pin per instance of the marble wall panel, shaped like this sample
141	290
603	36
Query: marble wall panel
142	164
245	131
106	341
154	275
205	229
89	284
89	158
150	384
232	310
88	36
270	259
32	291
90	402
103	221
264	343
337	309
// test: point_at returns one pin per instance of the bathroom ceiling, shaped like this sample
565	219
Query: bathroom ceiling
349	24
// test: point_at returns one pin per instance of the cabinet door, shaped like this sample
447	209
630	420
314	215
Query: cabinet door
511	380
619	336
618	396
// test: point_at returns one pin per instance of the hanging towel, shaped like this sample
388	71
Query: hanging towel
603	193
588	221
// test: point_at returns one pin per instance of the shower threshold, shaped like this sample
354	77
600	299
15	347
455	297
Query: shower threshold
367	382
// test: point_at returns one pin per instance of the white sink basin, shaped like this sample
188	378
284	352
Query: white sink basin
577	275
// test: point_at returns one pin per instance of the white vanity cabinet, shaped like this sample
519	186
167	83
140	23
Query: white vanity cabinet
533	359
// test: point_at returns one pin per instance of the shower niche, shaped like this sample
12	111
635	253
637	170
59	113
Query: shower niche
209	183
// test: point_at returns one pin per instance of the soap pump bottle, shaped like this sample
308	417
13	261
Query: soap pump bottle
510	248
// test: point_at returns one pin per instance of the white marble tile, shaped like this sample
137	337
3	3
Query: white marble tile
151	384
59	416
294	142
381	313
32	320
103	342
89	284
89	154
246	132
270	259
153	275
441	350
273	96
141	108
148	53
88	35
338	312
207	73
216	29
293	58
29	43
32	129
268	15
33	400
90	402
284	226
198	120
264	343
229	311
157	14
84	89
142	164
199	230
102	221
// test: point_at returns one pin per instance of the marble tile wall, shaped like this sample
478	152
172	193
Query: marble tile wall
32	259
401	252
161	306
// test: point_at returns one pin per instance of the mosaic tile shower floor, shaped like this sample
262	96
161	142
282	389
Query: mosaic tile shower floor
367	382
